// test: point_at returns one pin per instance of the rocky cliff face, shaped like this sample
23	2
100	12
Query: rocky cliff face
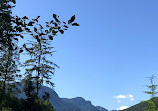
82	104
74	104
101	108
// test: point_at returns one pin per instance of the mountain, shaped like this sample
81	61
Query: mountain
139	107
82	104
78	103
64	104
101	108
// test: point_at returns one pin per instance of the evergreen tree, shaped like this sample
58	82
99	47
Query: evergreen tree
152	104
152	87
5	23
29	91
9	55
8	71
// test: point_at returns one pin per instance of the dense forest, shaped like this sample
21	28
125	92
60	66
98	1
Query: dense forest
38	69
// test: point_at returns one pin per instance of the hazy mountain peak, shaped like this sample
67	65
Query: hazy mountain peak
101	108
79	98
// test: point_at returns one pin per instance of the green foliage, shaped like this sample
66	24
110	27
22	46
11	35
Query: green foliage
9	55
10	26
152	87
14	104
29	91
46	106
11	103
152	104
9	60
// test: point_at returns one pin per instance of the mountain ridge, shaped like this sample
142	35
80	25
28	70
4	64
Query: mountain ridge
71	104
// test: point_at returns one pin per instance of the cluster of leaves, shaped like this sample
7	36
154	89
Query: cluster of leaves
38	69
8	32
39	48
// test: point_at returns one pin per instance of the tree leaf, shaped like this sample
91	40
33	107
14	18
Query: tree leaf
25	17
41	34
38	17
54	16
75	24
71	20
66	26
35	29
19	29
51	21
16	39
54	32
50	37
37	38
20	51
46	31
14	1
61	31
30	23
56	24
21	36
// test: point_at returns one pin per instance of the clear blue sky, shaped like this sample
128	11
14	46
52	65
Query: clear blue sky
110	54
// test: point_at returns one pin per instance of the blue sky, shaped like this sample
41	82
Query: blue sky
110	55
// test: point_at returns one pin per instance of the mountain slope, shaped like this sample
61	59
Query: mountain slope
140	106
82	104
101	108
78	103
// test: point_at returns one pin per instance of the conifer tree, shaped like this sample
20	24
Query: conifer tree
152	87
9	55
29	91
152	104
